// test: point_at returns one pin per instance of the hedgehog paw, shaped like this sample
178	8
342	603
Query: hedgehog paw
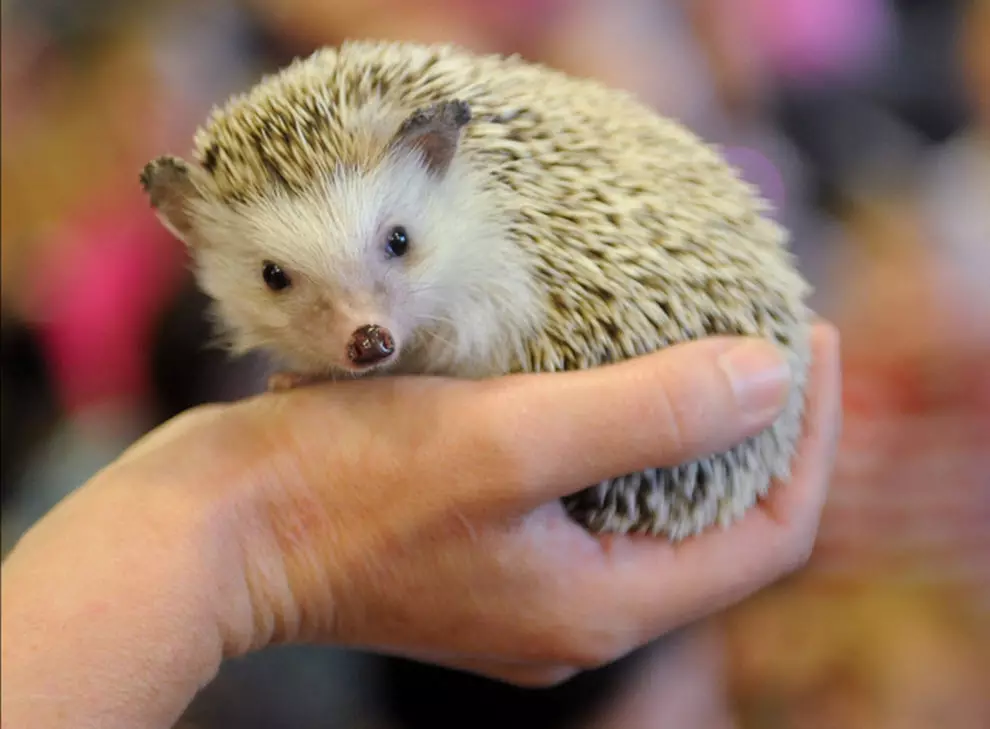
282	381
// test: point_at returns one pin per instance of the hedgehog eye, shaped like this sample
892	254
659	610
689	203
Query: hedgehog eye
397	242
275	278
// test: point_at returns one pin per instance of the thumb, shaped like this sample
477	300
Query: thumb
561	432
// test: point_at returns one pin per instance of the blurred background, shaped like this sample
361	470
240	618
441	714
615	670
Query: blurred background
865	122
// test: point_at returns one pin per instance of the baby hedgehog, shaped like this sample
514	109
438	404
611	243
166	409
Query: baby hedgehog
400	208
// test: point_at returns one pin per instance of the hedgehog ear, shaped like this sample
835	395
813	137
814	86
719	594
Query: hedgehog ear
435	132
171	187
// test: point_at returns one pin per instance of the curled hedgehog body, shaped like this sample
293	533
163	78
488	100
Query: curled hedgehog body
397	208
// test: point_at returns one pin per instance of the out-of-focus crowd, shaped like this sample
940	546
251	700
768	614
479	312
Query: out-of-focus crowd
865	122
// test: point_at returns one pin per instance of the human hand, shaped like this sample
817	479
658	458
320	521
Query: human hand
418	516
465	558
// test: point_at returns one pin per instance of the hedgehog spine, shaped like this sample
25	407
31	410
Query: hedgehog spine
556	224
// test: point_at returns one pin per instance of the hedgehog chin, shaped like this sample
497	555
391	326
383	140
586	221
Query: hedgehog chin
377	368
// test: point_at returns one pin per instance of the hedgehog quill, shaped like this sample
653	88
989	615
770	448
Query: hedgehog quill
390	208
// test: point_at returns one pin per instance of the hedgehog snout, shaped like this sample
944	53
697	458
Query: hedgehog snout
370	345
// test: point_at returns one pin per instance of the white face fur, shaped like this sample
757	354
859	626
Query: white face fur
457	300
441	300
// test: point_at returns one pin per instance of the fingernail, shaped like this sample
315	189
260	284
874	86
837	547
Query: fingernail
759	375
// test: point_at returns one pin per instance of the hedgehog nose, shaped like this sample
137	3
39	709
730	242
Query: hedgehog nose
370	345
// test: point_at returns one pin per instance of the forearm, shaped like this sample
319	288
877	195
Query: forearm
97	633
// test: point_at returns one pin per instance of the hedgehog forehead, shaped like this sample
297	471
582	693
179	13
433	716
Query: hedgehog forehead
289	141
333	228
337	107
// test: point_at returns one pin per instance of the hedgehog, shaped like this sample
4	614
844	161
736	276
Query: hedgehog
392	208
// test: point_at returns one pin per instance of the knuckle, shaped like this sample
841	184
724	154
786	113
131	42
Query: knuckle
799	545
671	419
497	448
541	678
805	548
586	649
197	415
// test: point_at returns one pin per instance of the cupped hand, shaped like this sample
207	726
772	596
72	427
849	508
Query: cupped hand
420	516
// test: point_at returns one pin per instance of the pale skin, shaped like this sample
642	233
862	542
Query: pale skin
415	516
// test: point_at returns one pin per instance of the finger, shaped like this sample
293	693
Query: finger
666	585
533	675
555	434
796	509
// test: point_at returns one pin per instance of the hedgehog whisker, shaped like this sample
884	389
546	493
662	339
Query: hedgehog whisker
427	289
437	337
437	319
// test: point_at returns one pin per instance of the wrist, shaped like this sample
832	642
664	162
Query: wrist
109	604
